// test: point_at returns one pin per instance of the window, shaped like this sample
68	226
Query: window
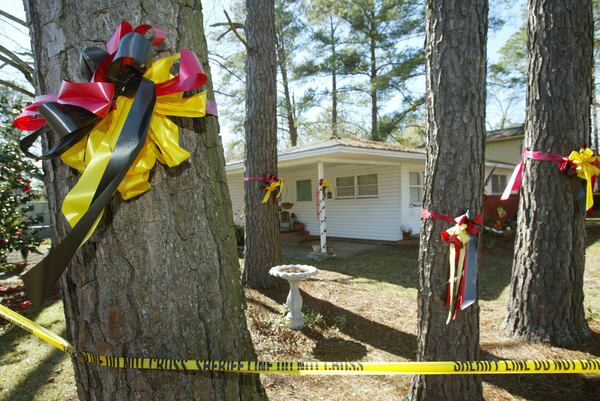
498	183
415	185
303	190
344	187
367	186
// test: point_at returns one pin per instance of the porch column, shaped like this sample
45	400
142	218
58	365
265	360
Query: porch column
322	208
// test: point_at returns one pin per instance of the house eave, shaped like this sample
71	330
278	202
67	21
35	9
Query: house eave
312	155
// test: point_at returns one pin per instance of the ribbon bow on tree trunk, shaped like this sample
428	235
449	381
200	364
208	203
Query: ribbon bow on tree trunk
112	129
583	163
462	276
272	185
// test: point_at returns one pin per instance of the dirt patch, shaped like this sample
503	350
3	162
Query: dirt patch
364	308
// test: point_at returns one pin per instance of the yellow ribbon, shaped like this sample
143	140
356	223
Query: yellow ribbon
91	154
586	170
460	231
325	184
276	185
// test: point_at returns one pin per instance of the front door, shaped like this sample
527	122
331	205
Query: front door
415	199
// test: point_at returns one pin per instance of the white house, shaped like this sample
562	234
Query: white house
376	187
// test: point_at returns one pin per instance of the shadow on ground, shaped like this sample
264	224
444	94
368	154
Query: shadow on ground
538	387
398	264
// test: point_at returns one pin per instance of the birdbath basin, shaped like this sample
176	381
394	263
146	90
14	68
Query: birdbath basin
294	274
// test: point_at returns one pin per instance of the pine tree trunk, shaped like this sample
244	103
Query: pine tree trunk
373	89
262	225
289	107
546	297
160	276
334	112
456	68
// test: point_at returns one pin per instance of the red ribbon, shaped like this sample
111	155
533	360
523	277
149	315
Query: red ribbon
462	219
453	240
97	96
514	183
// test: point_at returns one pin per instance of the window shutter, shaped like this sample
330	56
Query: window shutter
303	190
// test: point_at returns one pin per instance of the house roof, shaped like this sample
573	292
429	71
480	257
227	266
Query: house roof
506	133
348	150
351	142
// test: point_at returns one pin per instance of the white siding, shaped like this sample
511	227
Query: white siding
236	192
378	218
366	218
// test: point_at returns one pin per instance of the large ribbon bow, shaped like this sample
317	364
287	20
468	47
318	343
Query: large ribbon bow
583	163
112	129
462	277
272	185
324	185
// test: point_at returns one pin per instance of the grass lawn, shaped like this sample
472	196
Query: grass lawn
359	308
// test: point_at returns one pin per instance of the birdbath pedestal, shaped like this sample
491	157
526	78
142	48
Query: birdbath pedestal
294	274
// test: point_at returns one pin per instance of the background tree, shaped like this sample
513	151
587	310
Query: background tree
456	70
546	296
160	276
262	250
16	63
288	27
378	30
16	185
326	56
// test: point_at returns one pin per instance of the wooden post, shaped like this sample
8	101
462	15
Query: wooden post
322	209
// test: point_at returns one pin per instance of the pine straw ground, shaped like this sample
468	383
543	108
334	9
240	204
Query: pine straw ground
359	308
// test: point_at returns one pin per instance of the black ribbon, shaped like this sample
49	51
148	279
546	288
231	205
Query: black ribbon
71	123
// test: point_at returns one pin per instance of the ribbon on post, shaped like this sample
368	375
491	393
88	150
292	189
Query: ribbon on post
271	184
462	277
325	188
583	163
111	129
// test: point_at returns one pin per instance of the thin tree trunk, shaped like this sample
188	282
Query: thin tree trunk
289	106
456	68
160	276
373	89
546	296
334	112
262	226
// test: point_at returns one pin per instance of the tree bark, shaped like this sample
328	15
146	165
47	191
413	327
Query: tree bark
289	106
262	226
160	276
546	296
373	89
456	72
334	100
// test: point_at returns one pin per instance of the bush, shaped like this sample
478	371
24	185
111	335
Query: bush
16	189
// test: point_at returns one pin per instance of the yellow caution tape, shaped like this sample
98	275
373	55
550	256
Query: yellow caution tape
311	368
36	330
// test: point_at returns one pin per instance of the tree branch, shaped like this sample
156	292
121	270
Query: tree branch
13	18
16	87
25	70
233	27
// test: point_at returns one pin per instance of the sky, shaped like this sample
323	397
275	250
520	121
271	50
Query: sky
15	38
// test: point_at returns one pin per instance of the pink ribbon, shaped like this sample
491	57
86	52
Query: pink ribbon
514	183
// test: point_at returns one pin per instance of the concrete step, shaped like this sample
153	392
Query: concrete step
294	237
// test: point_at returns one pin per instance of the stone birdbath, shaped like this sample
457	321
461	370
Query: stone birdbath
294	274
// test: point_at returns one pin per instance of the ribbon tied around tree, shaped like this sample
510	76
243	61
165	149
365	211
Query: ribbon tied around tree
271	184
462	276
112	129
584	164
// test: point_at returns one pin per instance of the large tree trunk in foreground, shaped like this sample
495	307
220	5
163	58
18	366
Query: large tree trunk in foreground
546	297
160	276
262	224
456	67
